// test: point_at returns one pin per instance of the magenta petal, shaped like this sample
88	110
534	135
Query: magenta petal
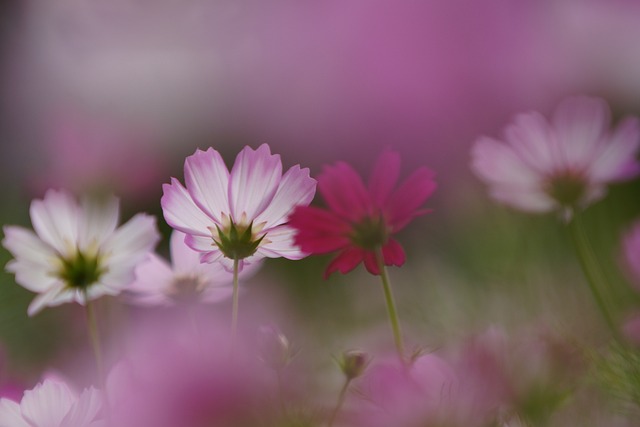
343	190
384	177
370	263
346	261
393	253
413	192
319	231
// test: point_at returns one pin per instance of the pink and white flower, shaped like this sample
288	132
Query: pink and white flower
186	279
241	214
52	404
559	165
77	252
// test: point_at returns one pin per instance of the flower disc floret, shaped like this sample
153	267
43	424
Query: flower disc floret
81	271
371	233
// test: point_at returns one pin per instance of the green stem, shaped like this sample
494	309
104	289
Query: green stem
341	397
94	336
234	312
592	271
391	305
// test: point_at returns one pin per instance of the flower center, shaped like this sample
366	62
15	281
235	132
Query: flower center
81	271
370	233
237	241
567	187
186	288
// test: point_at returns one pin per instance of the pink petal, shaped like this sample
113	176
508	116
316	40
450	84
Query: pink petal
183	257
55	219
10	414
319	231
535	143
85	409
384	177
617	159
153	277
280	244
528	200
346	261
404	202
253	182
207	179
296	188
343	190
497	163
181	212
580	124
393	253
47	404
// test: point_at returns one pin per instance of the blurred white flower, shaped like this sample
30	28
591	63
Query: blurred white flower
77	253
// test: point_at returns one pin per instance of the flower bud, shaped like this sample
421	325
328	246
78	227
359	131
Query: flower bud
353	363
275	349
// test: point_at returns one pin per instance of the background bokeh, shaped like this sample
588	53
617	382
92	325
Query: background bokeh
111	95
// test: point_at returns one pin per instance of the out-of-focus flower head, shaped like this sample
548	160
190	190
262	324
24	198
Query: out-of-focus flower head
78	252
52	404
186	279
560	165
360	220
241	214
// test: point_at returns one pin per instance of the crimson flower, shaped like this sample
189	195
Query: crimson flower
360	220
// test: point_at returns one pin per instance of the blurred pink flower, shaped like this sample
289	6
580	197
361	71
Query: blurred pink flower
185	280
562	165
240	214
361	220
77	252
52	404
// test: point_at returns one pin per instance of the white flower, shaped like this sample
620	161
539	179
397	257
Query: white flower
562	165
77	253
186	279
52	404
239	215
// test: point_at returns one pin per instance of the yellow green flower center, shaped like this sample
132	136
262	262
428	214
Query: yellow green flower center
81	271
370	233
567	188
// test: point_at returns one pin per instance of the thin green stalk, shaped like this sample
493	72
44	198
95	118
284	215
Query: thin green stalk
341	397
94	336
391	305
592	272
234	313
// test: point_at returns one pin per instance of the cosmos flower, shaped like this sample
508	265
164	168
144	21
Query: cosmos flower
77	253
559	165
360	220
239	215
186	279
52	404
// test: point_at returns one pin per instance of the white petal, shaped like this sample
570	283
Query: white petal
183	257
131	242
201	243
25	245
84	410
280	244
617	159
207	179
581	124
181	212
54	296
47	404
524	199
296	188
497	163
535	143
97	222
10	414
32	277
55	219
253	182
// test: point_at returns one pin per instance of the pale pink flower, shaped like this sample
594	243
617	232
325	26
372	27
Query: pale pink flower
186	279
52	404
559	165
77	252
240	214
